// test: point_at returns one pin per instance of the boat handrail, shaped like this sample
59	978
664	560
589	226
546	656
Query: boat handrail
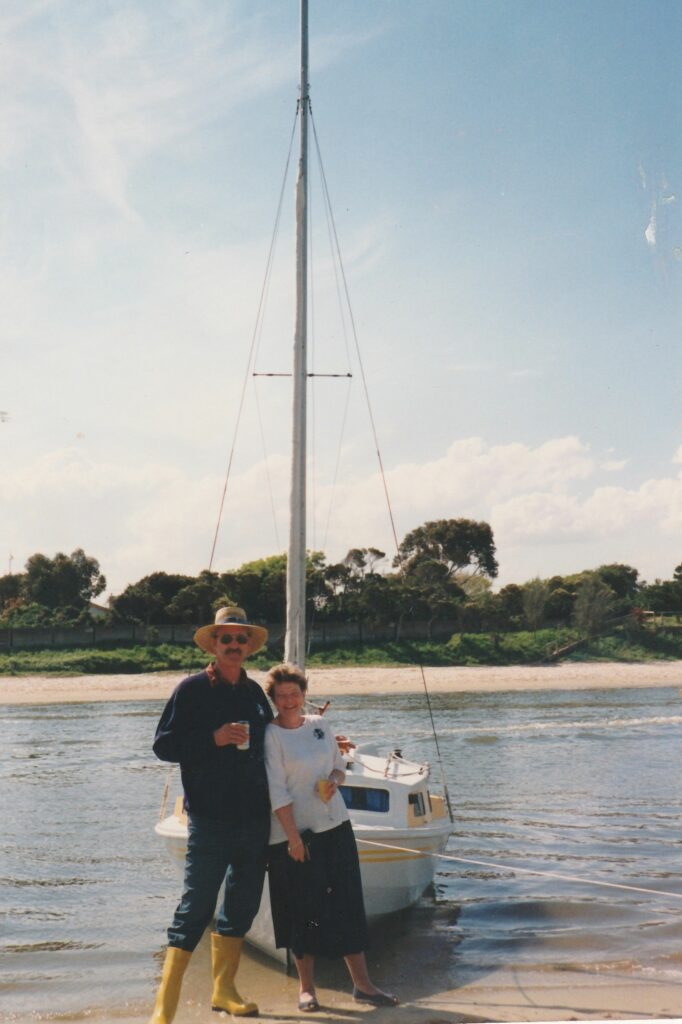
371	750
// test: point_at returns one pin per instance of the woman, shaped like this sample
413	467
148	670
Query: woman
314	872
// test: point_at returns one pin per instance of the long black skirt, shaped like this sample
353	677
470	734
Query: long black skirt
317	905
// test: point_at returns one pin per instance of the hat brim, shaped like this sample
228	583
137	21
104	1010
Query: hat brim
205	636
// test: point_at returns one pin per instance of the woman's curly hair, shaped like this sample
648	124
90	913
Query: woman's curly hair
284	673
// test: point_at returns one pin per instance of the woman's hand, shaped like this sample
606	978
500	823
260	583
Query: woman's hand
296	849
328	787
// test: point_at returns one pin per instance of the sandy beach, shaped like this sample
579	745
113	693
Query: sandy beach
330	682
414	961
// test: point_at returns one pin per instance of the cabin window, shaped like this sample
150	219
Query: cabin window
361	798
416	801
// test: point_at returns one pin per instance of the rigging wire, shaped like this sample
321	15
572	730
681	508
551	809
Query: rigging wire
312	339
435	736
326	206
335	262
344	333
254	338
356	340
336	246
521	871
267	466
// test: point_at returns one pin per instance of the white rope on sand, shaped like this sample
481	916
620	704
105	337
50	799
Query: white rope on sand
524	871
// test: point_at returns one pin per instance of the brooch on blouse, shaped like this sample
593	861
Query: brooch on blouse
318	733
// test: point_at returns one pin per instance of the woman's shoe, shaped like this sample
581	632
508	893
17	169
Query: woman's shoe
374	998
308	1005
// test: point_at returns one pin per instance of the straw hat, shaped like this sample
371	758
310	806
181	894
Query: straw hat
224	619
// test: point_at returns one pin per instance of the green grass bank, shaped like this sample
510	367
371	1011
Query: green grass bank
471	649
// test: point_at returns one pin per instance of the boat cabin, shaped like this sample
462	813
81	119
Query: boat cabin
390	788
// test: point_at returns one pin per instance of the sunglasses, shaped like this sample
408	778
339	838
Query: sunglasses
228	638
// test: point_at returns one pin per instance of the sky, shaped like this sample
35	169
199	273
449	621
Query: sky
505	181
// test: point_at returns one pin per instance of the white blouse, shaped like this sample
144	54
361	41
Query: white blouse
295	759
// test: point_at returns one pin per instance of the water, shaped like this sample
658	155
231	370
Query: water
578	783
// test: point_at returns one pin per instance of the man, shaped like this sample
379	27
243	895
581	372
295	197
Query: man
214	726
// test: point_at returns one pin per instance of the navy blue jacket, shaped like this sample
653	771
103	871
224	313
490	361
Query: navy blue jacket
219	782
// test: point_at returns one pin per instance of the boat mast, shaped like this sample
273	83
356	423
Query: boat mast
294	645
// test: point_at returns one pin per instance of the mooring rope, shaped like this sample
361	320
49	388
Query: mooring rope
524	871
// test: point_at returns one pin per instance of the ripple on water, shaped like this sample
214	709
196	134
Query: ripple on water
41	913
47	883
49	947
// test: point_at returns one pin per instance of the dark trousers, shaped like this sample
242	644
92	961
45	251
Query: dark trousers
217	853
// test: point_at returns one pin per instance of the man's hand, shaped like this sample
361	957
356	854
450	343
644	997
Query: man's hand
344	744
231	732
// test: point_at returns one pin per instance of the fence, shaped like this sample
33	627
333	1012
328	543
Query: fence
320	634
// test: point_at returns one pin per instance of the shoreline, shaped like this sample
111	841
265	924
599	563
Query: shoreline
334	682
510	994
429	995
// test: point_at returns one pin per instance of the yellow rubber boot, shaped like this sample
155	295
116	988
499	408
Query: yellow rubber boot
225	954
169	990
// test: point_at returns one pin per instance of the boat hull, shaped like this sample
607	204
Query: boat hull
396	866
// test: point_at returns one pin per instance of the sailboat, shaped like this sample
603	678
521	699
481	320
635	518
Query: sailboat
400	825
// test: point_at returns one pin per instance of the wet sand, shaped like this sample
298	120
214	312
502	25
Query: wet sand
330	682
413	957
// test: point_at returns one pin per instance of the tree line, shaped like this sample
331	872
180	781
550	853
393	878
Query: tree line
443	571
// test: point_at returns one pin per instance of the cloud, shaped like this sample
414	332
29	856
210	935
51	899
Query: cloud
656	504
136	517
548	506
639	525
88	93
470	479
